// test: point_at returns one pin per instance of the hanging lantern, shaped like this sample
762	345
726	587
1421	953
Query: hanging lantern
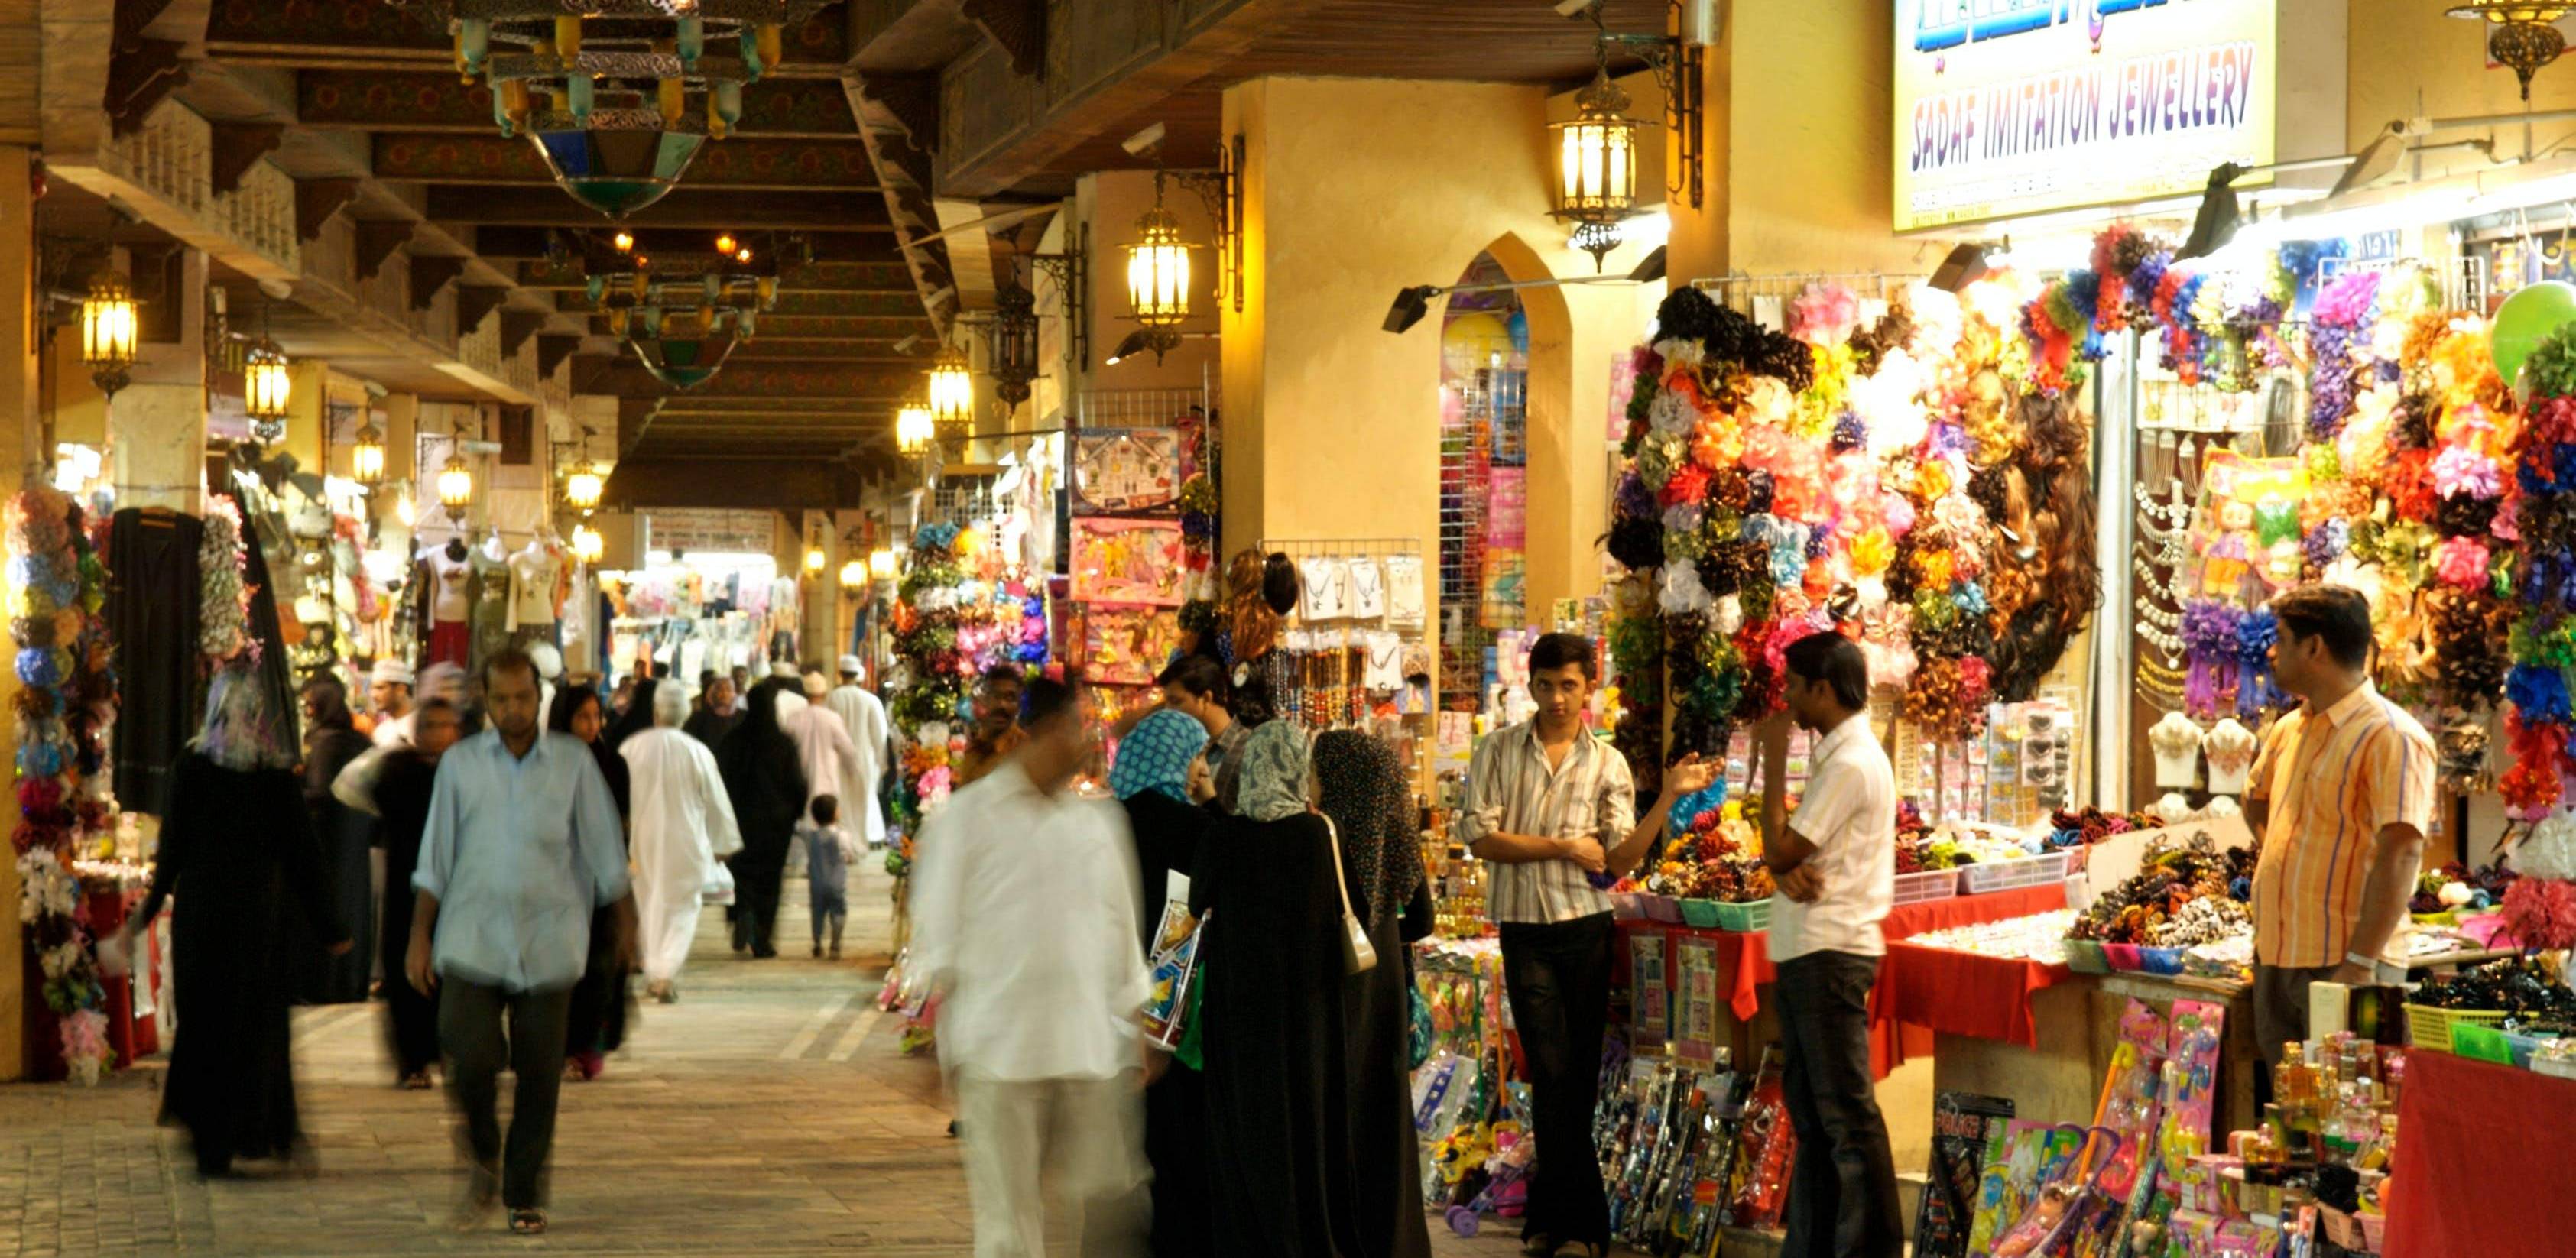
582	489
367	457
882	564
587	545
725	242
1158	268
2523	37
266	390
854	575
1597	165
913	428
1014	344
456	485
951	387
108	332
815	559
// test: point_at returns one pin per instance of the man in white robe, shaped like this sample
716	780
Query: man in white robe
831	761
865	716
683	823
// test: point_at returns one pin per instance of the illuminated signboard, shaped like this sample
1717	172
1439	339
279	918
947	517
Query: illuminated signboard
2012	107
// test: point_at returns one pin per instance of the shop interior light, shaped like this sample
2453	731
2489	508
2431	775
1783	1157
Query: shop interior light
882	564
587	545
108	332
367	455
404	510
913	428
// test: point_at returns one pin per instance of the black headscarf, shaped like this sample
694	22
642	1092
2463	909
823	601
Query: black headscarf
1364	793
637	718
568	704
762	772
331	737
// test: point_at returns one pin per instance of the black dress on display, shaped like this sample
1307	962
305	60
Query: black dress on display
1273	1041
1169	836
402	802
154	601
238	848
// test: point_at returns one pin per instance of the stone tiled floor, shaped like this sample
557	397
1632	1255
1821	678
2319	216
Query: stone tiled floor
769	1112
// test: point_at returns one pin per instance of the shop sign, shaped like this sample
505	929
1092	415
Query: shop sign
695	530
2013	107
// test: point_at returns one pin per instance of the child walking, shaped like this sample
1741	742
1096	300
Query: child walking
828	853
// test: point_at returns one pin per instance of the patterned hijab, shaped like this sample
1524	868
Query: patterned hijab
244	730
1273	785
1156	755
1364	793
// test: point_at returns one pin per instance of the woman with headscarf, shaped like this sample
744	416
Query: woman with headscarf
236	837
1158	762
1360	784
765	780
683	824
636	717
597	1023
346	839
1270	1022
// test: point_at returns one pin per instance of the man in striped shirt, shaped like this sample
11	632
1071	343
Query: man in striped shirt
1548	804
2342	793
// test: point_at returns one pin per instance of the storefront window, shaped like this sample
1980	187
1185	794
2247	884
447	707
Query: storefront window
1484	457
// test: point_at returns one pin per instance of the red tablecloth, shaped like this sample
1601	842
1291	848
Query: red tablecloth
1965	994
2483	1158
1745	959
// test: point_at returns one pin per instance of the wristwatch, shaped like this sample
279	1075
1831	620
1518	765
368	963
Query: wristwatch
2381	972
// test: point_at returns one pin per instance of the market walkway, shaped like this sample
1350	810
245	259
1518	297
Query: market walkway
769	1112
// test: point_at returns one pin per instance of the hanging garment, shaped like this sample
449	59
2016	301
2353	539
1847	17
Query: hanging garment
154	606
534	572
489	589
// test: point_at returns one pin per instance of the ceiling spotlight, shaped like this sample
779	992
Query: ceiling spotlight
1133	345
1965	265
2216	222
1411	304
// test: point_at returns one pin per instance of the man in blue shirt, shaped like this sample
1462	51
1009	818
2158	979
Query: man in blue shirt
523	842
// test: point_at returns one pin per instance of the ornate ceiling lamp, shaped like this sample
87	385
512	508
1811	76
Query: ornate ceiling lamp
683	313
1158	276
2523	37
620	98
1012	341
108	331
913	428
267	390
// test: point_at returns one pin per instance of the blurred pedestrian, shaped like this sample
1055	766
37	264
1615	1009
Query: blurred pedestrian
346	839
766	783
1025	917
828	853
1158	763
719	716
864	715
997	730
395	784
684	824
389	694
597	1026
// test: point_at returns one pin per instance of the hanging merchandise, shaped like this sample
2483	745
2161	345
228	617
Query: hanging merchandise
67	700
1126	469
1128	561
2544	575
154	622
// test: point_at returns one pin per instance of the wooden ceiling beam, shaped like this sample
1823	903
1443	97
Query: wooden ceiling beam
474	302
377	240
499	242
516	327
706	209
431	272
316	200
237	146
552	350
437	101
488	160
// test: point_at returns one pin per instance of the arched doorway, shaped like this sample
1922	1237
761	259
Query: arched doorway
1484	477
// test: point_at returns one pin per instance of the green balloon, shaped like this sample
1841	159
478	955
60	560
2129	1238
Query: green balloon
2525	318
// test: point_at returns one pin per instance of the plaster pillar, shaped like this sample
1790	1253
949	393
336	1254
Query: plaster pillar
156	425
20	335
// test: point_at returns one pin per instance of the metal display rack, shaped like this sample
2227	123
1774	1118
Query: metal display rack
1328	658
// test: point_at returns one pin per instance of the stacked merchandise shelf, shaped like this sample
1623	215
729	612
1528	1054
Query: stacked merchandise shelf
1141	521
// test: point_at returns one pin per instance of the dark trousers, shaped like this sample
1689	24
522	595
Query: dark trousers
411	1019
470	1030
1842	1190
1558	978
757	880
2280	1015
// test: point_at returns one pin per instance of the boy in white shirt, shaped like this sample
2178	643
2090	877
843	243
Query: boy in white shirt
828	853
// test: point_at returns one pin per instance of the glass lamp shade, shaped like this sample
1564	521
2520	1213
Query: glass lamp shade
2511	12
587	545
367	457
684	362
815	559
882	564
854	574
1597	157
951	387
913	428
582	489
618	172
1158	271
265	387
108	330
455	484
1014	344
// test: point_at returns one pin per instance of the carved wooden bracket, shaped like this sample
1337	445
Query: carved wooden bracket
1017	27
552	350
516	327
908	101
236	146
316	200
474	301
140	77
430	273
377	240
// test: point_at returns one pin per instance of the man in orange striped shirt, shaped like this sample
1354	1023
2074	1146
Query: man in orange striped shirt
2342	793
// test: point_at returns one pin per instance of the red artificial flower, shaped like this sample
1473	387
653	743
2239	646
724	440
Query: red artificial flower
2540	913
1688	484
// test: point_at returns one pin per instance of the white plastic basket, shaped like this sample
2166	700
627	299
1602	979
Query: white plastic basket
2030	871
1931	884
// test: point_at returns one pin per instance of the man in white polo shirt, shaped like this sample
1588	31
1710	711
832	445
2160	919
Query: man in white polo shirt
1835	860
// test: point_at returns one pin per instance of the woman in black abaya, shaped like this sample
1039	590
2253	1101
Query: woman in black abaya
597	1025
237	844
765	781
345	836
1271	1020
1157	761
1362	788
